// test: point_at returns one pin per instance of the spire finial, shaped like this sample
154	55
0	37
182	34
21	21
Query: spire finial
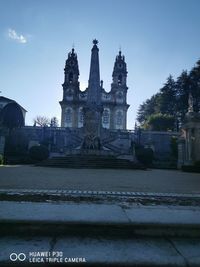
73	45
120	51
95	42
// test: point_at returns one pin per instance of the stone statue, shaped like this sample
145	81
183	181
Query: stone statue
190	103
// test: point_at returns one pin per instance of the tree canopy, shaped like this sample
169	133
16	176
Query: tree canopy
171	100
45	121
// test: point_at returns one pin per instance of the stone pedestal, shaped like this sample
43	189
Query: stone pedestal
189	142
92	128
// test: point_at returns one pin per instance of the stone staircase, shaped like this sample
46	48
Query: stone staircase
76	140
103	234
115	149
90	161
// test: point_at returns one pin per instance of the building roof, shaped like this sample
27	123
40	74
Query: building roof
5	99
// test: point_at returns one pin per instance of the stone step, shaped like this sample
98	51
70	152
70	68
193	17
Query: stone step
103	235
90	161
110	220
120	230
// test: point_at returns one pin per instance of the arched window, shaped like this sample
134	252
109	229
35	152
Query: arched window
70	77
80	117
68	117
106	118
119	119
119	97
120	79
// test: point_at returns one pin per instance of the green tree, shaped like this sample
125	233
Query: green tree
183	85
160	122
167	102
172	98
195	85
150	106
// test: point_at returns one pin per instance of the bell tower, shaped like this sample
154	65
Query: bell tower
120	71
119	91
70	91
71	72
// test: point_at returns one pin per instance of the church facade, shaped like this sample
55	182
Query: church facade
94	120
114	102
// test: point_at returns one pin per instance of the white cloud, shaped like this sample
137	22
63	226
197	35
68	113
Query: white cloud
12	34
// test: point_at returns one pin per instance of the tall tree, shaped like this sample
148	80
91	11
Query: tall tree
172	98
148	107
195	85
183	85
54	122
41	121
168	103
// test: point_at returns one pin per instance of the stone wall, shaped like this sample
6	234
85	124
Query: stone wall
61	141
160	142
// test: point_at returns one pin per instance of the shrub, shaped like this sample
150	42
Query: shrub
174	147
144	155
160	122
1	159
190	168
39	152
197	163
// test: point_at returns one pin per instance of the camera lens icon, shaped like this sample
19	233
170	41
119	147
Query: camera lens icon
17	257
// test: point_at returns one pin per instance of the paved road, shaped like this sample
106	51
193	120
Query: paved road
160	181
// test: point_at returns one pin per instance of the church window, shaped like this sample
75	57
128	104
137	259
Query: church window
119	118
120	79
71	77
120	95
106	116
68	115
81	115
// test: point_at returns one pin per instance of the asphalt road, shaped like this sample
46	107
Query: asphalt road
159	181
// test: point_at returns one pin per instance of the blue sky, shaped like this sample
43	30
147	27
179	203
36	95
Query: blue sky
157	37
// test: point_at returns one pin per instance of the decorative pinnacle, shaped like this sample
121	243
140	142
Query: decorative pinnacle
190	103
95	42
